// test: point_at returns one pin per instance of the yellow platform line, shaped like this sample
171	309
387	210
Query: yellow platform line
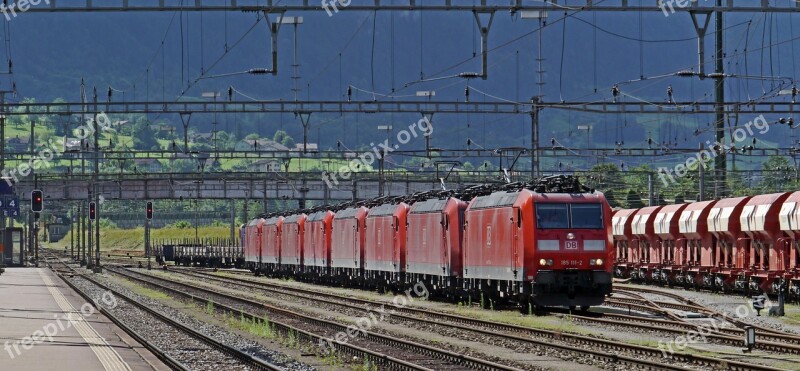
109	357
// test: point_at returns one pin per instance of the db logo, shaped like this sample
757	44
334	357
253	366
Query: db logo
571	245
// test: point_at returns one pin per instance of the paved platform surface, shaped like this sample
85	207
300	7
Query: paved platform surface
42	327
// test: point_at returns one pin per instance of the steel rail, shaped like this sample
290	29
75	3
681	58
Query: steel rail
444	355
472	324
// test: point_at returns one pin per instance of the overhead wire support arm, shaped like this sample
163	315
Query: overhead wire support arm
701	37
484	40
274	28
305	117
186	117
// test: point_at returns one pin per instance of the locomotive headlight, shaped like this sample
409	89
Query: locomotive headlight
542	262
549	261
570	236
596	262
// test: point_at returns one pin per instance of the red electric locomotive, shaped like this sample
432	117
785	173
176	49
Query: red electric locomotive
252	243
433	248
536	243
542	249
385	246
271	245
317	244
291	244
347	245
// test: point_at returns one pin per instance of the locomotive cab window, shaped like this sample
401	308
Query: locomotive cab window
587	216
563	216
552	216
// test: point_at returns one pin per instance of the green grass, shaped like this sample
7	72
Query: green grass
254	327
144	291
133	239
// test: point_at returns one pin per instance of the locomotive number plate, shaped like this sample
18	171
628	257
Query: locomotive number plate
571	262
571	245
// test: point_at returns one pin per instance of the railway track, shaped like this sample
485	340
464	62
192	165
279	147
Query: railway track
489	327
373	346
761	332
199	352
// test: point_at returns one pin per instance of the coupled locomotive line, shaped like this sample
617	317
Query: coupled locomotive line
246	359
473	324
545	184
431	353
158	352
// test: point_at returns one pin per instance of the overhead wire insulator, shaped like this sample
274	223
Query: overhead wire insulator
349	93
669	94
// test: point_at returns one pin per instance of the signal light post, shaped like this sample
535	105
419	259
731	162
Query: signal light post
37	205
37	201
91	213
149	216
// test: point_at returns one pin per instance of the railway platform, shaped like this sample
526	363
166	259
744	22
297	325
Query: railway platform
43	327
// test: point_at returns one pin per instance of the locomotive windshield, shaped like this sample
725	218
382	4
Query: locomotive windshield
587	216
552	216
564	216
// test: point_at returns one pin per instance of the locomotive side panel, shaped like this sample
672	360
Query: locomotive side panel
271	241
317	239
292	242
347	238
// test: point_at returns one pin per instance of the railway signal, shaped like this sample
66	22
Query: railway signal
37	201
149	210
92	211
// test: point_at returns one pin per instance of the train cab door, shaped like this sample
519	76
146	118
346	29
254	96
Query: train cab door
355	241
445	243
516	219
